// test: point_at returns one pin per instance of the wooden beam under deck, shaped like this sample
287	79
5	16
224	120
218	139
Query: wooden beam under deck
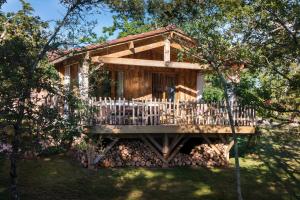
158	129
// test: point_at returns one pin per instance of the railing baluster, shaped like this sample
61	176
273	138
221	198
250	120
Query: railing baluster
133	114
159	111
123	111
154	112
143	112
119	111
138	113
162	111
151	119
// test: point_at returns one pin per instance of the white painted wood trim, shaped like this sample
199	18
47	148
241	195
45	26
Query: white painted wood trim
83	78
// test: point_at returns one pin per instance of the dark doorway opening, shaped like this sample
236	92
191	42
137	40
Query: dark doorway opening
163	86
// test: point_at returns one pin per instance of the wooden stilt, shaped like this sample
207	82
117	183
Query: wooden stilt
167	152
230	145
143	138
156	144
175	141
99	157
165	149
176	150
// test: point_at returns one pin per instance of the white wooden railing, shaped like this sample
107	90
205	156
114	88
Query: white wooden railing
155	112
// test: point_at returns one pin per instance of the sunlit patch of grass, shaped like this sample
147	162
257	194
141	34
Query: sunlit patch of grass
135	194
131	174
259	180
145	173
169	176
203	191
149	174
216	170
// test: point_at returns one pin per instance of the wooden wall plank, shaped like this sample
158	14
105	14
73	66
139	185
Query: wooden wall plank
138	80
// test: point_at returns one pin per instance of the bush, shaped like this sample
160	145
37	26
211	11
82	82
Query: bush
53	150
82	146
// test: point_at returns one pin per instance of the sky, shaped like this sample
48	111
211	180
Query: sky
51	10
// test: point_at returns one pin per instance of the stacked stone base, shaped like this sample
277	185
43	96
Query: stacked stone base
134	153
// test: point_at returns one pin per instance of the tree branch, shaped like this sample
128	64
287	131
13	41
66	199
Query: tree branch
56	31
284	26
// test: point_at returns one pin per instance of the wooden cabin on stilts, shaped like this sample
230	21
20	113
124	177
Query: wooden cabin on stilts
153	94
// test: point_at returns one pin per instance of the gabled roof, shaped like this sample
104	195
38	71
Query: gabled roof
58	56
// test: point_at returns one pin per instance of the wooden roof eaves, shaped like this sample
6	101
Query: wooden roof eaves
107	45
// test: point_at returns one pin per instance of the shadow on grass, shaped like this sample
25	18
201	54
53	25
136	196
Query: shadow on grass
59	177
282	157
270	170
279	151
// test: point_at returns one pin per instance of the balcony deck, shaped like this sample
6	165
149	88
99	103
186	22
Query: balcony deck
110	116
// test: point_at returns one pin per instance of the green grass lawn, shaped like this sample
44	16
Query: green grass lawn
270	170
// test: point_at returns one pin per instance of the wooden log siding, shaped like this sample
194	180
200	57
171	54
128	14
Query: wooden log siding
158	112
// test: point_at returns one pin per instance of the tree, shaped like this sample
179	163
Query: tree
271	29
24	69
22	37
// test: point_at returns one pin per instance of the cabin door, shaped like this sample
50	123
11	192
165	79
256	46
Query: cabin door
163	86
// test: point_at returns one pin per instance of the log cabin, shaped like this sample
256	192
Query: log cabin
152	92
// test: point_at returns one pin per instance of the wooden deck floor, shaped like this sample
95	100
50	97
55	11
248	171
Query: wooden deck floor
158	129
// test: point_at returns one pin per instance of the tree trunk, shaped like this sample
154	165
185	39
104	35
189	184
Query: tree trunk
232	125
26	95
13	165
16	145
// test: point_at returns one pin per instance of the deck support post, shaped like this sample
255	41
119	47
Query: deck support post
175	141
165	149
168	151
156	144
176	150
107	148
144	139
227	151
